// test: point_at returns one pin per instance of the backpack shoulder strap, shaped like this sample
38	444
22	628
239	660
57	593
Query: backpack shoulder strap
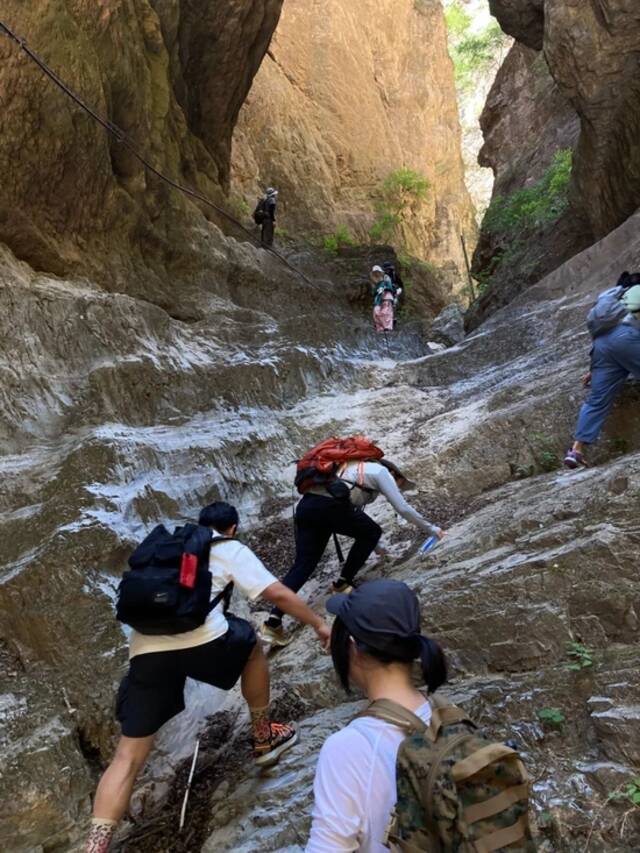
227	592
443	713
397	715
216	539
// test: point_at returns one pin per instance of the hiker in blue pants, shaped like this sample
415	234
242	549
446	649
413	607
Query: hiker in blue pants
616	354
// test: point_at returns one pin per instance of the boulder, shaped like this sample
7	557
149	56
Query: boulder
448	327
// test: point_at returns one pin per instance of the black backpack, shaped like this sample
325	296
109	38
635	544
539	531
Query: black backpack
260	212
167	589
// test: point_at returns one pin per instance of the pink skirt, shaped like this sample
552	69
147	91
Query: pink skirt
383	316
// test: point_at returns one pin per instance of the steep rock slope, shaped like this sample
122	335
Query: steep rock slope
350	91
532	571
114	415
78	200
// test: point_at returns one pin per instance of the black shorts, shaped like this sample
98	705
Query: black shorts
153	690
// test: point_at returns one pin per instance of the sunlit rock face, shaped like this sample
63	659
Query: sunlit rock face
350	91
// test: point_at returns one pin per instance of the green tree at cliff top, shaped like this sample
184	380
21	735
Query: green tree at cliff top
473	52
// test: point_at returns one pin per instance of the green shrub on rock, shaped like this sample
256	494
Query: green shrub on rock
533	207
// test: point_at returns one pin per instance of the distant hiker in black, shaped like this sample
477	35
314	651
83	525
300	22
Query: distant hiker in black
220	651
337	507
265	215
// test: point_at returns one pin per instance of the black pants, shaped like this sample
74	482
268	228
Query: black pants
317	518
268	227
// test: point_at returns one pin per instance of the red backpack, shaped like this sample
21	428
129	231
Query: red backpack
320	465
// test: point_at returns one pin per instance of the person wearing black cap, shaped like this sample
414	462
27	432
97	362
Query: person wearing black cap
375	638
319	515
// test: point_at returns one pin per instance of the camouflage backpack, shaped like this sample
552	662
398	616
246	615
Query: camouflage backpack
458	792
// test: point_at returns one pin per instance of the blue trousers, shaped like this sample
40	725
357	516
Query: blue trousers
615	356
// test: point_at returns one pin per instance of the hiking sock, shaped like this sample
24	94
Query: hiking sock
260	724
100	835
274	622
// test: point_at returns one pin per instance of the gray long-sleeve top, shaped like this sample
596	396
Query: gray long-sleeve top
378	480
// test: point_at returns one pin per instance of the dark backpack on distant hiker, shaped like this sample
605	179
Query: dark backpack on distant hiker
260	213
320	466
608	312
457	790
168	585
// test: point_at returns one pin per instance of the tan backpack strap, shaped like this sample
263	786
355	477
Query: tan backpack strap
479	760
502	801
503	837
397	715
360	480
443	714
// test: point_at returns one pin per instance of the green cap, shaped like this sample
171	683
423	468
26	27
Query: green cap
631	299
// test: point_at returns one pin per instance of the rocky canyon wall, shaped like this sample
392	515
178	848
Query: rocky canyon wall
173	76
350	91
150	363
570	82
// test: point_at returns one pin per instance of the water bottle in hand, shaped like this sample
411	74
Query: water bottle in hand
428	546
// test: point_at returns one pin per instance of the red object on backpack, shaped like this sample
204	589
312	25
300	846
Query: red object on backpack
321	463
188	569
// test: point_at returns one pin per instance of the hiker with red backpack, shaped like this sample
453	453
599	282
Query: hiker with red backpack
180	631
410	772
337	479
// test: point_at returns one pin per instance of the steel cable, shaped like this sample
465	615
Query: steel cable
122	138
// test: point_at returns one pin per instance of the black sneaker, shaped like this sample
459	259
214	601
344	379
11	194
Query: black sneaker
274	636
342	585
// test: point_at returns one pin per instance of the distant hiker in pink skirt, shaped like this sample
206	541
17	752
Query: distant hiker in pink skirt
384	300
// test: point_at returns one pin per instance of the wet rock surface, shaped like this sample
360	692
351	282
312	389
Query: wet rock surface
531	571
537	577
448	327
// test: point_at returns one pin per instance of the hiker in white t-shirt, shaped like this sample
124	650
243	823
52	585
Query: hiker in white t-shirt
375	638
220	652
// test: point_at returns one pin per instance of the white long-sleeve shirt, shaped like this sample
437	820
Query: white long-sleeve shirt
377	480
355	786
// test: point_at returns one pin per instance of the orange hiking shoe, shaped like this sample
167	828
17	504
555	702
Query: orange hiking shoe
282	737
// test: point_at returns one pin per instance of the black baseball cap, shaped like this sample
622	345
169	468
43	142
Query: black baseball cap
393	469
383	614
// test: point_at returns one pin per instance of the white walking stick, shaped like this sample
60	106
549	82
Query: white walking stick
183	810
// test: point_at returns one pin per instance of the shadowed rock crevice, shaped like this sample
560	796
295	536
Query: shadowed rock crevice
173	77
581	92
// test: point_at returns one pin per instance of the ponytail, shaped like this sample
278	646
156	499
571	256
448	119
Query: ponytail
434	663
432	658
